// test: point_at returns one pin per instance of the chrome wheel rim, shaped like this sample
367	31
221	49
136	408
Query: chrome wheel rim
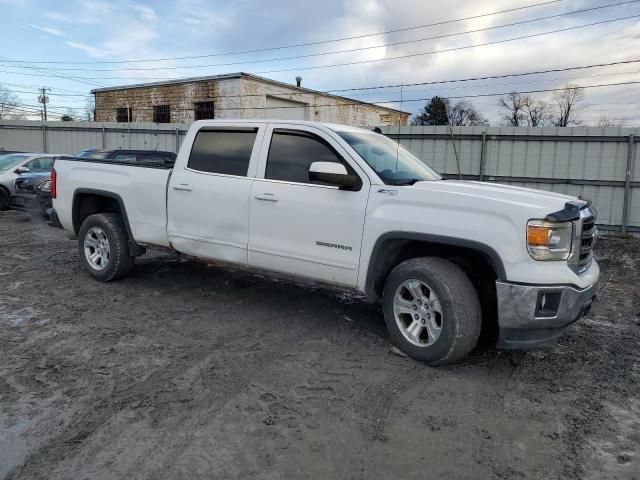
417	312
96	248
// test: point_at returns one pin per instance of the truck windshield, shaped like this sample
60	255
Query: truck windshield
10	161
394	166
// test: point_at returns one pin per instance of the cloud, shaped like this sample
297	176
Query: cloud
49	30
89	50
147	14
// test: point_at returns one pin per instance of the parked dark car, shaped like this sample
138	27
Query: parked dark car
26	191
28	195
134	157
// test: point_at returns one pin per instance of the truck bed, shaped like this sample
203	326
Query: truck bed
141	189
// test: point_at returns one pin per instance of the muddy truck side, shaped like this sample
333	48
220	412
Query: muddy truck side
353	209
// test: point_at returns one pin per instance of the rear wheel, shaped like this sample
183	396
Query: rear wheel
4	199
103	245
432	310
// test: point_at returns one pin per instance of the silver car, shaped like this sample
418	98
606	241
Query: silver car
14	164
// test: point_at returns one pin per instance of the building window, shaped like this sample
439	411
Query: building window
124	114
203	110
162	114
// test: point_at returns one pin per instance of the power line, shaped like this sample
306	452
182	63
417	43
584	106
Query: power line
311	55
319	42
389	86
46	70
546	90
466	47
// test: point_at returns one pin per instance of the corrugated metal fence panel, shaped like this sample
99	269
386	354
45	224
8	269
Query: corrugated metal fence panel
17	138
72	137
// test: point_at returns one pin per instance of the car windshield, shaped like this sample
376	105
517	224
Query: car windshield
9	161
394	164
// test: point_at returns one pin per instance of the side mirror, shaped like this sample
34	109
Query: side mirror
332	173
20	170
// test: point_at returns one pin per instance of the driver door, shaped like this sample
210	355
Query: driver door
300	227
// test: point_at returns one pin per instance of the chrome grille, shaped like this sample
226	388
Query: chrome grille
587	241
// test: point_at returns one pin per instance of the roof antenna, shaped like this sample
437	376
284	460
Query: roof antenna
453	141
398	147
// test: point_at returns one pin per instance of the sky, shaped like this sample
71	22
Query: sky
68	45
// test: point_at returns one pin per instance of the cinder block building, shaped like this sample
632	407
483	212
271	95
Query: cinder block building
235	95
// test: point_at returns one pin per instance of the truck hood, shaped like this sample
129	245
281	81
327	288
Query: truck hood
542	202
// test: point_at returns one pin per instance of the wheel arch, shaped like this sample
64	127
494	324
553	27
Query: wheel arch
88	201
392	248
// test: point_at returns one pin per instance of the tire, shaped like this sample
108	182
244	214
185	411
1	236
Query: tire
103	245
4	199
444	292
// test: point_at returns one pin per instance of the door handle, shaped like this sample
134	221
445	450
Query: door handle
266	197
183	186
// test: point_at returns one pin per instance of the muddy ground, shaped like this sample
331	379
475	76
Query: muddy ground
190	371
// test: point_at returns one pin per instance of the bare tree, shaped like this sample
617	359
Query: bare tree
90	109
514	109
464	113
8	102
566	101
604	121
536	112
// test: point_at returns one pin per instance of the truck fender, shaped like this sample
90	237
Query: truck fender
134	247
375	261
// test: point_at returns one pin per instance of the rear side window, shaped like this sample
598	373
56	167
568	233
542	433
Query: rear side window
43	164
222	151
291	153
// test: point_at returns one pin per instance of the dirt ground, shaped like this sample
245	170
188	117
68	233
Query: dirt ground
192	371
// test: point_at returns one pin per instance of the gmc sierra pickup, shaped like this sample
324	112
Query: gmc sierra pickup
351	208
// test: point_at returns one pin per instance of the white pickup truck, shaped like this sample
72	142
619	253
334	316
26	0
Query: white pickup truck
352	208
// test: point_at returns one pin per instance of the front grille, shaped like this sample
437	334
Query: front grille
587	242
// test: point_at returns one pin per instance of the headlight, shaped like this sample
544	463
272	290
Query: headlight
45	186
549	240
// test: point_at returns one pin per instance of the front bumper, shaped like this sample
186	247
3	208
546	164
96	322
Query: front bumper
532	316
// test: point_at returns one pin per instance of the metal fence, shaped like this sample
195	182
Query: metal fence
72	137
601	164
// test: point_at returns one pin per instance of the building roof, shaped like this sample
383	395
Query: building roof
227	76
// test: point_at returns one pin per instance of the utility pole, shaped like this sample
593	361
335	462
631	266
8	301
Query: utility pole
44	99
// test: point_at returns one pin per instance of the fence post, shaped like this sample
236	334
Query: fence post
104	138
627	185
177	139
44	138
483	156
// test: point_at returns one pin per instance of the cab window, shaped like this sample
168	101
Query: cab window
223	151
292	152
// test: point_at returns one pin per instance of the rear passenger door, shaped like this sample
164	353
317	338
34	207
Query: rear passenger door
208	194
298	226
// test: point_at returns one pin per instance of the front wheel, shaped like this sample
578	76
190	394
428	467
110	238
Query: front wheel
103	245
4	199
432	310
